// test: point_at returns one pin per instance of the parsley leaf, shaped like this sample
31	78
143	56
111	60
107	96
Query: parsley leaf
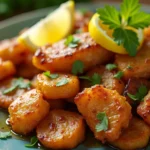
49	75
141	93
118	75
72	42
128	39
18	83
62	82
110	16
129	8
111	66
96	79
139	20
33	142
103	125
5	135
77	67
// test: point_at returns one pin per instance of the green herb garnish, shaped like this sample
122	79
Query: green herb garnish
72	42
62	82
103	125
77	67
5	135
129	67
50	75
18	83
129	16
118	75
111	66
33	142
141	93
94	79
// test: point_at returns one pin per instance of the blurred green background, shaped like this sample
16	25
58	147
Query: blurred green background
10	8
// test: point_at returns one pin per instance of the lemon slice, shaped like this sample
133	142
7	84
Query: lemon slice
53	28
103	35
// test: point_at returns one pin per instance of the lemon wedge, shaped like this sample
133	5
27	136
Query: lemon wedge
53	28
103	35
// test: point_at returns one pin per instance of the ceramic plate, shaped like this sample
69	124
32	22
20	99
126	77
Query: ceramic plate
10	28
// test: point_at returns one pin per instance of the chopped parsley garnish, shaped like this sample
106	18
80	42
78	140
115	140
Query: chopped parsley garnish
129	16
5	135
18	83
77	67
94	79
71	41
129	67
62	82
141	93
33	142
103	124
111	66
50	75
118	75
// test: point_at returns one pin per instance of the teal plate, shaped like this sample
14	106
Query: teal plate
10	28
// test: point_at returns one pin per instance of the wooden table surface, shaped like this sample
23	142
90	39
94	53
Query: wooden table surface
142	1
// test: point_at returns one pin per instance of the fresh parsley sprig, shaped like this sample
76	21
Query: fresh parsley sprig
50	75
18	83
33	142
77	67
129	16
103	124
141	93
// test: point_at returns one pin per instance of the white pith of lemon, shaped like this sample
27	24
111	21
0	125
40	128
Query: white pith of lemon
103	35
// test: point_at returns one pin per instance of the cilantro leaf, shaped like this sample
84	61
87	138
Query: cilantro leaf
33	142
49	75
71	41
77	67
129	8
96	79
128	39
5	135
111	66
110	16
141	93
139	20
103	125
118	75
18	83
62	82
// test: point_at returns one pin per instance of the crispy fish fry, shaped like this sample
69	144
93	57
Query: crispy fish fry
108	80
7	99
27	111
7	69
51	90
136	136
98	99
137	66
10	49
60	58
144	109
61	130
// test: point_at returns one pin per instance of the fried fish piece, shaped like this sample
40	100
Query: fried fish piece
98	99
7	69
61	130
137	66
107	79
134	137
11	49
7	99
60	58
27	111
144	109
50	89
